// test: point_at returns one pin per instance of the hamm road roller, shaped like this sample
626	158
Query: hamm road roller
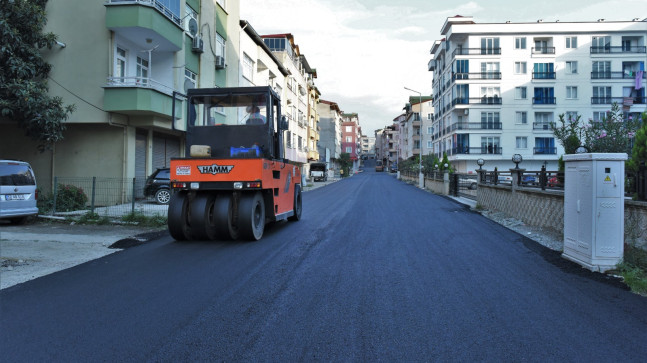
235	178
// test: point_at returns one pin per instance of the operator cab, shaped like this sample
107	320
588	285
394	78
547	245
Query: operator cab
235	123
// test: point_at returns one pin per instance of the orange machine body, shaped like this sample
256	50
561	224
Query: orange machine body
277	178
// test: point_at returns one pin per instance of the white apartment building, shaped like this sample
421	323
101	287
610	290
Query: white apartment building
498	86
418	117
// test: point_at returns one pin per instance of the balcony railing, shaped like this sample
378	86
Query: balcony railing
614	75
152	3
477	75
625	101
545	151
476	126
139	82
541	126
544	100
476	51
543	50
619	49
483	150
477	101
543	75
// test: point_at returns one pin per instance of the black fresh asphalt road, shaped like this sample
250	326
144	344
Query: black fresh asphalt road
377	270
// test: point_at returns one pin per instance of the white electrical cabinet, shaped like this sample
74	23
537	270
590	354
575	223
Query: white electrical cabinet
594	209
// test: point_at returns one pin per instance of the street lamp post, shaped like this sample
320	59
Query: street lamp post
421	177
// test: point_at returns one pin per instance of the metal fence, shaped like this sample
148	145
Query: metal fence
110	197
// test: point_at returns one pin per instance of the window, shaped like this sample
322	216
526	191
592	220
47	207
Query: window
349	139
543	120
600	115
570	115
543	71
490	70
601	95
190	14
521	117
142	71
520	68
349	149
429	116
571	92
520	43
601	44
430	130
248	66
520	93
490	46
490	120
490	145
220	45
544	96
300	143
522	142
491	95
349	128
601	70
191	77
571	42
430	144
120	65
545	145
571	67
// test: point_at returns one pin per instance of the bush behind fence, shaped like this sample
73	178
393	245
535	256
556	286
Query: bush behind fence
109	197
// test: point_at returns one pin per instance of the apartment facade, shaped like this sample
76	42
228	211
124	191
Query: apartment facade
350	139
122	63
498	87
417	118
330	123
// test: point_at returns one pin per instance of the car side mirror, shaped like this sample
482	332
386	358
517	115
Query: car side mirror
283	124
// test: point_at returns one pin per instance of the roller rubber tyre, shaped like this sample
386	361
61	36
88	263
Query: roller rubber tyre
251	216
203	226
297	204
179	225
225	218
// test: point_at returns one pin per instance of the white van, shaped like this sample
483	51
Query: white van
18	194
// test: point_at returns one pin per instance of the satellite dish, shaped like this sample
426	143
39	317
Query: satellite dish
188	84
193	27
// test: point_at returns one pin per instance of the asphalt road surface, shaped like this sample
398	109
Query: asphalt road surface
377	270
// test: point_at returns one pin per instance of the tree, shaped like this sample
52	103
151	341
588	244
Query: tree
639	151
24	95
345	163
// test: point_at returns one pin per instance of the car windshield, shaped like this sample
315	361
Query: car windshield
247	109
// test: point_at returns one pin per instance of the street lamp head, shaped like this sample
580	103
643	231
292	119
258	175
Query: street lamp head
517	158
480	163
581	150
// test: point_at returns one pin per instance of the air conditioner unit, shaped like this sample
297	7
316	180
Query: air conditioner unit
197	45
220	62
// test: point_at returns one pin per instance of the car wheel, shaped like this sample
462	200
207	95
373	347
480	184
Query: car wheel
162	196
473	186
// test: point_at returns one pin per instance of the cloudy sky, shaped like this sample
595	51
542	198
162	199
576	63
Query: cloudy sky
367	51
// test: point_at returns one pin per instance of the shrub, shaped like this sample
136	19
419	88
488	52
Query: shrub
70	198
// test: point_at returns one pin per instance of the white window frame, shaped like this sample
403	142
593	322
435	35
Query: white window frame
521	117
521	142
570	115
349	149
520	43
571	42
248	67
520	67
571	67
521	93
121	63
220	45
349	139
192	77
142	71
349	128
571	92
544	117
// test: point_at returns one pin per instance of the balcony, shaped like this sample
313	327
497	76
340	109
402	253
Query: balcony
615	75
544	101
635	49
139	20
483	150
625	101
478	75
313	155
476	51
545	151
476	126
541	126
477	101
542	50
138	96
543	75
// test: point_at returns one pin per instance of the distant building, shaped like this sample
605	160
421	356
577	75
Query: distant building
350	139
329	144
497	87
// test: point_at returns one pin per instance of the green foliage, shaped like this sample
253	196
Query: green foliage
345	164
93	218
70	198
634	268
611	135
142	220
639	151
23	74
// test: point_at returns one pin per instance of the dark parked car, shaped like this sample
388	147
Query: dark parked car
158	185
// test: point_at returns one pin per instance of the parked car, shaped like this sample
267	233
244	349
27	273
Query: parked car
18	193
158	185
529	179
467	183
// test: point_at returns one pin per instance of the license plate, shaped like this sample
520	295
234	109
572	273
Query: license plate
15	197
